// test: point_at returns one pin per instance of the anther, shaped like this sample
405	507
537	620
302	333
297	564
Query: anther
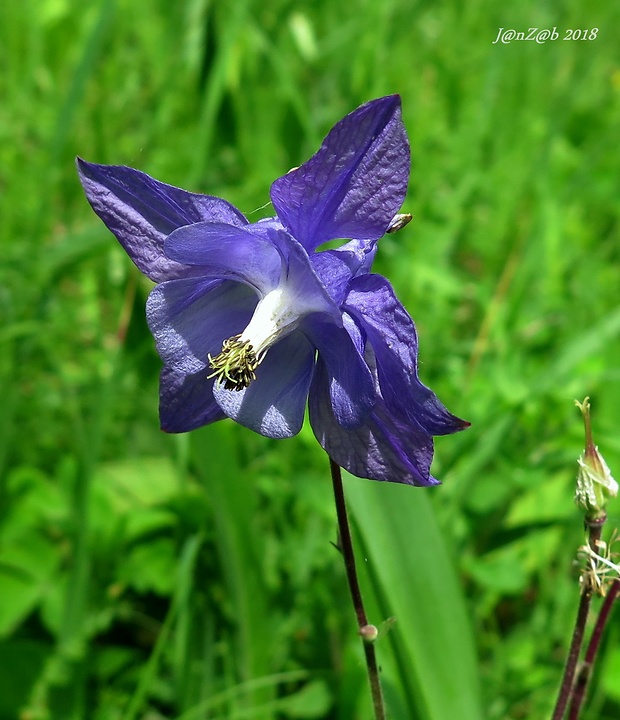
235	365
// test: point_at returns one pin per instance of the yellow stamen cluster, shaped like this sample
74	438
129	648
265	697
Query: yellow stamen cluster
235	365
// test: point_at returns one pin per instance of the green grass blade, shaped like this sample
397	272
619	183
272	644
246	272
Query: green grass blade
215	452
414	579
149	673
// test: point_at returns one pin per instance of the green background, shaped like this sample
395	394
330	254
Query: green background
192	577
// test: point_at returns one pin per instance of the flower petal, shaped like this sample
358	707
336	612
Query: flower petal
354	185
142	211
392	335
186	401
302	282
274	403
351	389
336	268
191	318
227	251
380	449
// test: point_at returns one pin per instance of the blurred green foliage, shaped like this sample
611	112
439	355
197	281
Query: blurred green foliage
148	576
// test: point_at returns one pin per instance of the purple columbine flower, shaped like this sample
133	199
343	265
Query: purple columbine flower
252	320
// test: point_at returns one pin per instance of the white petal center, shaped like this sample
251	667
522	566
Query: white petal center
274	317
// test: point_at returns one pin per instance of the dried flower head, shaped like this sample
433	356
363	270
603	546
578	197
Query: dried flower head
595	485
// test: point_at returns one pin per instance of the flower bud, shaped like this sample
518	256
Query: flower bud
369	633
398	222
595	485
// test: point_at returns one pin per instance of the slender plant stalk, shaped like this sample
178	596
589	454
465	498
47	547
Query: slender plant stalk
346	547
595	528
583	676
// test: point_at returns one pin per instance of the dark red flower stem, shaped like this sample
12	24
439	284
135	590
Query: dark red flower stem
585	672
594	528
346	546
